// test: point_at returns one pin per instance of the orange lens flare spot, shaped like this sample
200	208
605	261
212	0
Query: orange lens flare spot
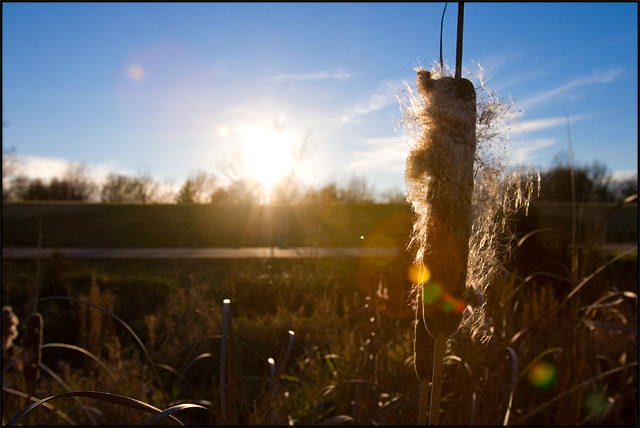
542	375
419	274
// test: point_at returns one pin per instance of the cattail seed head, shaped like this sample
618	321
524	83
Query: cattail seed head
461	191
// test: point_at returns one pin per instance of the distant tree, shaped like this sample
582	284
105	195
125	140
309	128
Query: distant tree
75	185
357	191
393	196
244	191
130	190
203	186
165	193
626	187
10	171
593	183
186	194
288	190
327	194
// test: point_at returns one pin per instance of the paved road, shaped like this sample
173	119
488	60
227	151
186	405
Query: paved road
199	253
222	253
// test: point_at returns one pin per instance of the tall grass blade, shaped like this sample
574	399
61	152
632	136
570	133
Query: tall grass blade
538	358
45	405
514	382
103	396
336	420
175	409
588	278
592	244
126	326
88	354
180	378
68	388
617	327
573	389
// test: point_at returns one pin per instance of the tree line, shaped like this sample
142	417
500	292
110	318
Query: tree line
593	183
201	187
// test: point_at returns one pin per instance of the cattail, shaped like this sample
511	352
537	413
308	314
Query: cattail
9	327
32	349
439	177
461	193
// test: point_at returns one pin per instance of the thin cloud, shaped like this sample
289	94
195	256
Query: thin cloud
48	168
540	124
384	96
523	151
338	74
626	174
597	77
387	155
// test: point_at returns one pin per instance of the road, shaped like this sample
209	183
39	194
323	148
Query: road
199	253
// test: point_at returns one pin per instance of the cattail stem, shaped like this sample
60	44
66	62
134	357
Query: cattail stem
424	401
436	384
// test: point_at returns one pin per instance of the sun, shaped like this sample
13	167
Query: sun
268	155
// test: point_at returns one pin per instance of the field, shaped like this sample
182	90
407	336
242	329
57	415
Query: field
563	347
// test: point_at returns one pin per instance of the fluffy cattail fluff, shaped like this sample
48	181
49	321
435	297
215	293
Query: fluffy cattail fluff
461	195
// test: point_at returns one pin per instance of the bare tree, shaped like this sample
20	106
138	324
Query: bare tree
393	196
11	168
186	194
357	191
203	185
76	184
129	190
593	183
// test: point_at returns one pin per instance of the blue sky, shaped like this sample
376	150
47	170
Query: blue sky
169	88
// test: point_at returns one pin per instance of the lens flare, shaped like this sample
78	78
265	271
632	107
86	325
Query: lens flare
223	130
432	293
135	73
542	375
419	274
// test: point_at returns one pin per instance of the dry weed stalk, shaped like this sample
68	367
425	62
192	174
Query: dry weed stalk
9	327
95	329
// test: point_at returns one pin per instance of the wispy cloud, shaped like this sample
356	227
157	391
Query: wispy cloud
523	151
383	96
626	174
598	77
386	155
540	124
48	168
338	74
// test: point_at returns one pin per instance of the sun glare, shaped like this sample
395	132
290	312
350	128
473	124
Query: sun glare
268	156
